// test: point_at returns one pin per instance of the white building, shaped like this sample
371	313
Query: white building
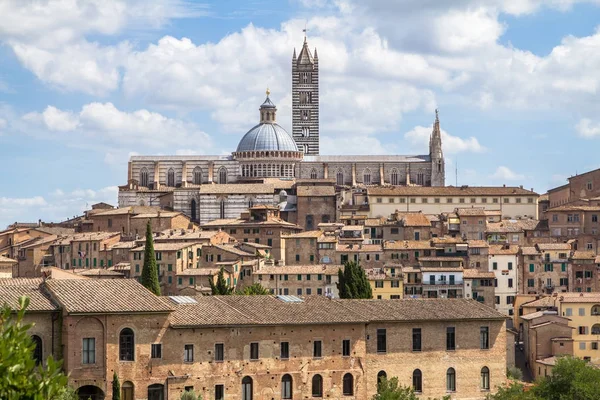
503	263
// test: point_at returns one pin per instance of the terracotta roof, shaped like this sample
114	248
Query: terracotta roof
442	259
123	245
200	272
530	251
506	226
422	310
471	212
441	269
359	248
375	221
9	295
471	273
477	243
353	228
161	246
329	269
407	245
242	223
327	239
305	234
85	237
553	246
237	188
546	301
413	219
574	208
496	249
583	255
448	191
233	249
163	214
99	272
127	210
316	191
7	260
103	296
447	240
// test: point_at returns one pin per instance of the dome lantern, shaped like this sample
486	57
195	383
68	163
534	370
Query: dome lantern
267	110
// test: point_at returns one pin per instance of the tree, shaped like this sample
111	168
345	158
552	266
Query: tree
190	395
390	389
21	377
254	290
353	282
150	271
572	378
116	386
220	288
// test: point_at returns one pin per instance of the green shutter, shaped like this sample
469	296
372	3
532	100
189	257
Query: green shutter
170	279
563	267
169	267
180	281
110	263
495	265
94	262
137	268
102	263
531	268
191	281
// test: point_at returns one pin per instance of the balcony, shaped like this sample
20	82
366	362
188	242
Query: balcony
444	283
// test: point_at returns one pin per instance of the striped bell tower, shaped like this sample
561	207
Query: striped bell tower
305	100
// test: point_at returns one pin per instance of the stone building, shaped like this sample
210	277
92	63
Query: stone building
299	280
262	347
503	263
268	158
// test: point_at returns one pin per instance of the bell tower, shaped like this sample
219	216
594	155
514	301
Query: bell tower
305	100
438	167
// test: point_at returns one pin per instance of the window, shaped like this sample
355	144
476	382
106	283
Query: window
37	352
450	338
317	347
339	178
88	353
219	352
484	337
531	267
495	265
126	345
569	312
510	282
156	392
284	350
317	386
346	348
156	350
451	380
222	175
416	339
254	351
313	175
188	353
381	375
417	379
286	386
378	284
394	177
510	266
144	177
485	378
127	391
171	177
530	282
219	392
367	176
247	388
348	385
382	340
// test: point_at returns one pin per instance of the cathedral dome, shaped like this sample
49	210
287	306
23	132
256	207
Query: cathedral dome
267	136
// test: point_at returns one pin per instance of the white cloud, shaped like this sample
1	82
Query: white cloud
57	120
506	174
588	129
419	137
3	124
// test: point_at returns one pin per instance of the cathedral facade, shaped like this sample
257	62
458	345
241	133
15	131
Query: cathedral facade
268	160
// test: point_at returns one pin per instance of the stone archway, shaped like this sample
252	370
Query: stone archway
90	392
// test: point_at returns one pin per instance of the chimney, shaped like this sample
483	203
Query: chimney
521	186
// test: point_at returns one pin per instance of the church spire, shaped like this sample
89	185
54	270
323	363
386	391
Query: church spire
438	174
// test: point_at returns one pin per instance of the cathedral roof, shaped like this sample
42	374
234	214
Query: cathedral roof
267	137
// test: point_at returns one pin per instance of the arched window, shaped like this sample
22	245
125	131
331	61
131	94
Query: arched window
348	385
367	176
194	208
485	378
317	386
451	380
222	209
222	175
247	388
38	354
339	177
144	177
305	148
381	376
127	391
156	392
197	176
313	174
417	380
126	345
171	178
286	386
596	329
394	177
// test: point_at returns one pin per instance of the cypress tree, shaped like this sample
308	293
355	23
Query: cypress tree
220	288
353	282
150	271
116	386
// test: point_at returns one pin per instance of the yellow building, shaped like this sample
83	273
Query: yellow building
583	312
386	283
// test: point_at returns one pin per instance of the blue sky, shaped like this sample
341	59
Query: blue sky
86	84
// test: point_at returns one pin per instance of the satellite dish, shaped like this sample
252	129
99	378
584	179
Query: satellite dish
326	260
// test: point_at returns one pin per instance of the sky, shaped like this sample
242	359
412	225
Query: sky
86	84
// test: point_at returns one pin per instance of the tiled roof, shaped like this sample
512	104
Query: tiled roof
162	214
233	249
546	301
553	246
413	219
447	240
442	259
317	191
407	245
422	309
359	248
477	243
200	272
99	272
511	226
440	269
448	191
471	273
127	210
328	269
31	282
161	246
529	251
583	255
9	295
240	188
90	296
574	208
124	245
217	223
7	260
327	239
374	221
498	249
471	212
305	234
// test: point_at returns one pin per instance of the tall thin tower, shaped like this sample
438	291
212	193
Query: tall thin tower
305	100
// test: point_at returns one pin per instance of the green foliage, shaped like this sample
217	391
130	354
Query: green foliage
353	282
571	378
253	290
514	373
191	395
116	386
21	377
514	391
390	389
150	271
67	394
220	288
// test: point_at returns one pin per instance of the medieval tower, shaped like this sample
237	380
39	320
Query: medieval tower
438	169
305	100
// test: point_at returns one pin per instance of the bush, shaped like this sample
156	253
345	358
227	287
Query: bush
514	373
